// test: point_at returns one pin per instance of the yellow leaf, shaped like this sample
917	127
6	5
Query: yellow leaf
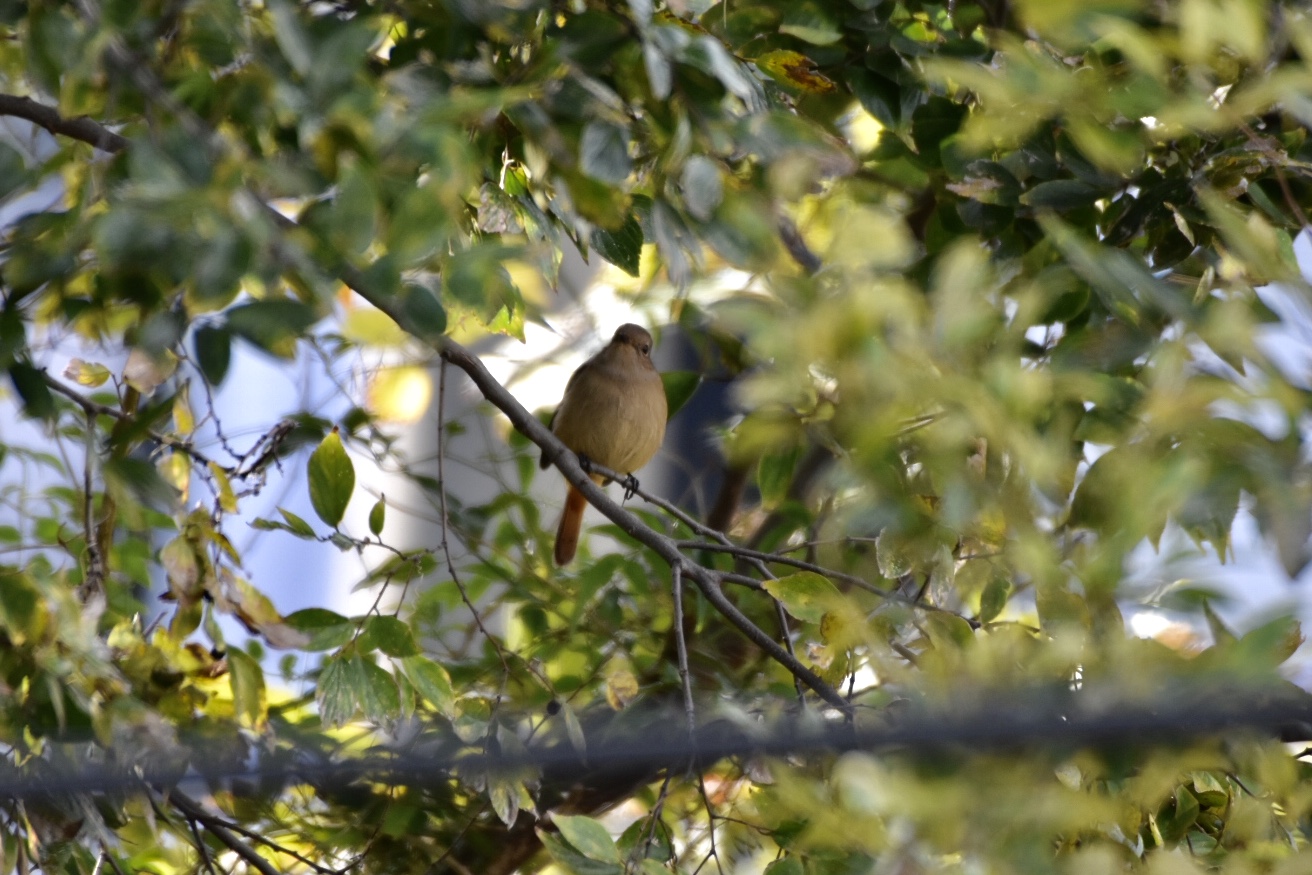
621	688
86	373
183	419
227	498
368	326
400	395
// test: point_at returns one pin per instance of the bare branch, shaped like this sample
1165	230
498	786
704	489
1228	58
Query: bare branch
192	810
82	128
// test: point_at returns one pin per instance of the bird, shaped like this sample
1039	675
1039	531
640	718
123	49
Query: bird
613	413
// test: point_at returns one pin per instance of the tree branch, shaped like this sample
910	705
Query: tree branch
82	128
192	809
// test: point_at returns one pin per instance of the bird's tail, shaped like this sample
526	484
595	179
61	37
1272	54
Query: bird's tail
571	522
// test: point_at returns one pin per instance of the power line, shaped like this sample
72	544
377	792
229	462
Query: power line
651	739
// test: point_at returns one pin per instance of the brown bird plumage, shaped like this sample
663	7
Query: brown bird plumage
613	413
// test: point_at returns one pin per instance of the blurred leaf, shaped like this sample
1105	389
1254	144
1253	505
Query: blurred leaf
794	70
88	374
604	152
588	837
810	23
993	599
213	352
806	595
679	388
702	189
31	387
142	481
274	326
248	694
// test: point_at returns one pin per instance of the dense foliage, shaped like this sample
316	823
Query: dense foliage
983	276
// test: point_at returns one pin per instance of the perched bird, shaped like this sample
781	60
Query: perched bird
613	413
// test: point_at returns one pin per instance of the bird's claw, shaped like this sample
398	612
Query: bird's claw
630	484
585	463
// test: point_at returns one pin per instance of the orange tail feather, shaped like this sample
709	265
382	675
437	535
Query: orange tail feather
571	522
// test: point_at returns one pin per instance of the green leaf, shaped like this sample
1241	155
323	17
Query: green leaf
572	861
213	352
377	516
335	693
226	257
13	170
679	387
588	837
424	314
432	682
142	481
332	479
604	152
993	599
702	189
948	630
247	679
785	866
1061	194
806	595
388	634
377	693
297	525
326	629
774	474
809	23
274	326
353	220
30	384
291	36
622	247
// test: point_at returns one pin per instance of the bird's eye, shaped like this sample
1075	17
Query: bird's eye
646	350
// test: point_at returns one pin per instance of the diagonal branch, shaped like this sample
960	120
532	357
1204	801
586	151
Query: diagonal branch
193	811
81	128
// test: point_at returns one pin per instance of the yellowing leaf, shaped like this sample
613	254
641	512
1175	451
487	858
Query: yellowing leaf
183	419
621	688
227	498
795	70
175	468
90	374
805	595
145	372
369	326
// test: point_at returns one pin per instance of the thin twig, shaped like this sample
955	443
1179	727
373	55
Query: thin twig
192	809
681	643
105	410
445	544
95	577
203	851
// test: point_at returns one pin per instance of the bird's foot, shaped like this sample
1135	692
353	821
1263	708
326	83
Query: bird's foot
630	484
585	463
